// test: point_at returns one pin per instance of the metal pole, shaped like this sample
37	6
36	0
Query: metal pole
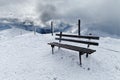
79	27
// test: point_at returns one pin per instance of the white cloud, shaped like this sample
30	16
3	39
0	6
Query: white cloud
16	7
100	12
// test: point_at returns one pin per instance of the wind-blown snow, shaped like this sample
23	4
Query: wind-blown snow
28	57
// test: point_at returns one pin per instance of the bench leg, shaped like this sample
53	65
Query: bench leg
86	55
80	58
52	49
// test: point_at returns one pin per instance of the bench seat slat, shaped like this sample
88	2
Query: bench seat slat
75	48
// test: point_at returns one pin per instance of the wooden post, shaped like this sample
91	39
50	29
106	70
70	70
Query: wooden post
79	22
52	28
34	30
79	35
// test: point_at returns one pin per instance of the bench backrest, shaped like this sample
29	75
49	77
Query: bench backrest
64	37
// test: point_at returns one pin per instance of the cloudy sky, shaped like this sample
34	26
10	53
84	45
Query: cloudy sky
105	13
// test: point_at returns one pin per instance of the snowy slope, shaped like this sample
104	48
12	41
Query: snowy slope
28	57
10	33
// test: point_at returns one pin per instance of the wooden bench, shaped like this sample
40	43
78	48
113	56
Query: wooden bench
76	39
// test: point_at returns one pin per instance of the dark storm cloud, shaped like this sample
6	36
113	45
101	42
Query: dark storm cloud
96	15
47	12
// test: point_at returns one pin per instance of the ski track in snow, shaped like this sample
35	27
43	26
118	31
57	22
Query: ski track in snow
28	57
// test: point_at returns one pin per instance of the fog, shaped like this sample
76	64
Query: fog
101	15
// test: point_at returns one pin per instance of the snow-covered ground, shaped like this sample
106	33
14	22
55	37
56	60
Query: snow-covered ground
28	57
10	33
